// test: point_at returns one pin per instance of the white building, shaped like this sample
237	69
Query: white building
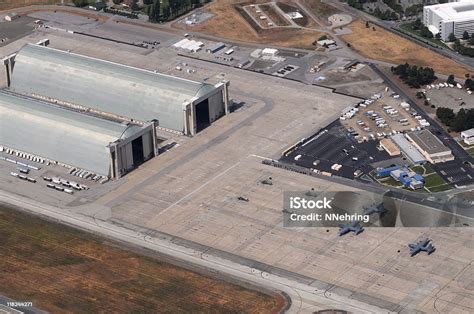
269	52
11	17
468	136
447	18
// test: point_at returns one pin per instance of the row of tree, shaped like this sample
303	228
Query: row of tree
385	15
157	10
417	25
164	10
460	47
413	75
469	83
463	120
83	3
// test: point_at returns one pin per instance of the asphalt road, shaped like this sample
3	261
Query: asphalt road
303	295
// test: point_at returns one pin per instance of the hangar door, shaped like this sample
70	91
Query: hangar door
137	151
202	115
132	154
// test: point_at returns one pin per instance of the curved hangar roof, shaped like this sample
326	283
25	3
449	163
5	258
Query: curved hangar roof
59	134
106	86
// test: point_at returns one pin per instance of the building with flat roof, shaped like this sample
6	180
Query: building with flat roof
468	136
105	147
408	149
271	52
390	147
117	90
11	17
408	178
447	18
430	146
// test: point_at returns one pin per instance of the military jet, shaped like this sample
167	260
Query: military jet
423	245
353	226
379	209
241	198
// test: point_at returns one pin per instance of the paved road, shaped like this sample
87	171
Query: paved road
304	295
443	51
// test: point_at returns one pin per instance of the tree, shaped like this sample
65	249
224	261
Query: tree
414	76
445	115
117	1
425	32
457	46
80	3
154	11
469	83
451	37
132	4
438	36
367	24
463	120
471	40
451	80
416	25
465	35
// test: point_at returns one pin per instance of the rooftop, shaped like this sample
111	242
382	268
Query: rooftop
454	11
390	145
468	133
105	86
60	134
408	149
428	142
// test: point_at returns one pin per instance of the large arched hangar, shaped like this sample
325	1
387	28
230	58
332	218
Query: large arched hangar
118	90
78	140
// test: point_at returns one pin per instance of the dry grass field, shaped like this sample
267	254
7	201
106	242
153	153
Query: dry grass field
10	4
229	23
385	46
274	15
62	270
320	9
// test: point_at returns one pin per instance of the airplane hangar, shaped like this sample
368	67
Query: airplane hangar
108	148
117	90
97	115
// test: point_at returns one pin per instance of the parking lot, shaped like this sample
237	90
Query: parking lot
336	146
284	71
46	181
450	97
11	31
455	172
388	114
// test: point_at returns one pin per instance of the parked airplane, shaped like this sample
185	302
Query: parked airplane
369	210
423	245
242	198
350	227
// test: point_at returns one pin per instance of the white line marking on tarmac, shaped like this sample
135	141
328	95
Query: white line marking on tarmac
200	187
